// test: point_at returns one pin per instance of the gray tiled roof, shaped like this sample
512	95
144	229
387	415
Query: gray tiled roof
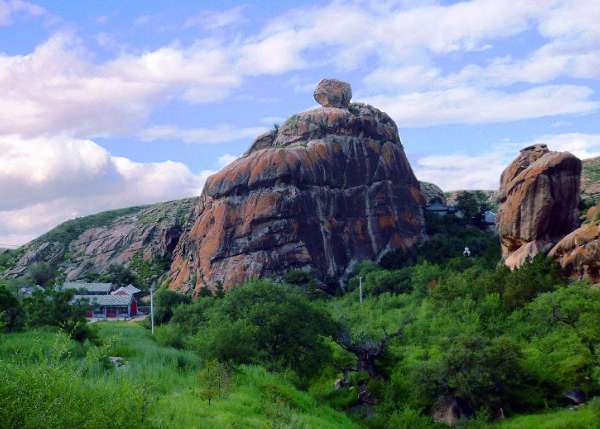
89	287
106	300
130	289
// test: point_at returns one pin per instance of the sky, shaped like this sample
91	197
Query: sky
112	103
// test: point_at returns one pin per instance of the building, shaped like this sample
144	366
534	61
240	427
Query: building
30	290
126	290
84	288
109	306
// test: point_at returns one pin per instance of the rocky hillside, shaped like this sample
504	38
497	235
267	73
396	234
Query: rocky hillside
590	180
579	252
539	195
93	243
329	188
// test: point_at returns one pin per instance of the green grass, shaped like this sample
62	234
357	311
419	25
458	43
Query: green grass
50	381
582	418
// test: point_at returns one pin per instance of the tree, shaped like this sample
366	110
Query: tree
470	204
214	380
41	273
11	312
55	307
267	323
165	301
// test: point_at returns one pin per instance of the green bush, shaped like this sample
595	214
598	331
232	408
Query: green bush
267	323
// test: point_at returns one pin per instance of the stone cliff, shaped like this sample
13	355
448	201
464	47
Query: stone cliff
539	195
329	188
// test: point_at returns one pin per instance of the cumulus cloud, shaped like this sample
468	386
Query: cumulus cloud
47	181
473	105
57	89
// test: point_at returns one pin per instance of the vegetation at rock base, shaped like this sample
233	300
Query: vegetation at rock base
433	324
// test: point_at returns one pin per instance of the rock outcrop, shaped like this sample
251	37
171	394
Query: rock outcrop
539	194
578	253
432	193
330	187
93	243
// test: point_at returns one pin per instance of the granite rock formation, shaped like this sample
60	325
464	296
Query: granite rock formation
329	188
578	253
539	194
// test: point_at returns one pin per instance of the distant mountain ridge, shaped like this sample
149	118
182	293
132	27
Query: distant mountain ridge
90	244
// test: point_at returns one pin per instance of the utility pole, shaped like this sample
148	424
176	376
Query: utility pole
360	289
152	307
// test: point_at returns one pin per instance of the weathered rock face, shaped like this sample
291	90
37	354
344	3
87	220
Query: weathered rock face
151	231
539	194
578	253
329	188
333	93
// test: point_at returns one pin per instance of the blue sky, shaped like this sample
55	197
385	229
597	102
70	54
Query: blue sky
114	103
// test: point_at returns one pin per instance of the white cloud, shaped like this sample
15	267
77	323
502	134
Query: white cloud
217	19
454	172
219	134
56	89
482	171
10	8
579	144
50	180
227	159
474	105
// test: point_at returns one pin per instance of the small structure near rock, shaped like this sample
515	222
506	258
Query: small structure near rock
333	93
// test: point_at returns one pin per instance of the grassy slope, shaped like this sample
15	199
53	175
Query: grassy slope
561	419
166	377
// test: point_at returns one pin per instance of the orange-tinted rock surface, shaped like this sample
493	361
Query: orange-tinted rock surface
330	187
539	194
579	252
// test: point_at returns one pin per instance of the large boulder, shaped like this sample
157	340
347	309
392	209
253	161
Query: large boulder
333	93
578	253
329	188
539	194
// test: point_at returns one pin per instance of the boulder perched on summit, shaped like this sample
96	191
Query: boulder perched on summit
333	93
327	189
539	194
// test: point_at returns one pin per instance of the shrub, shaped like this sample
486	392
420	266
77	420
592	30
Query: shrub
268	323
165	302
11	312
